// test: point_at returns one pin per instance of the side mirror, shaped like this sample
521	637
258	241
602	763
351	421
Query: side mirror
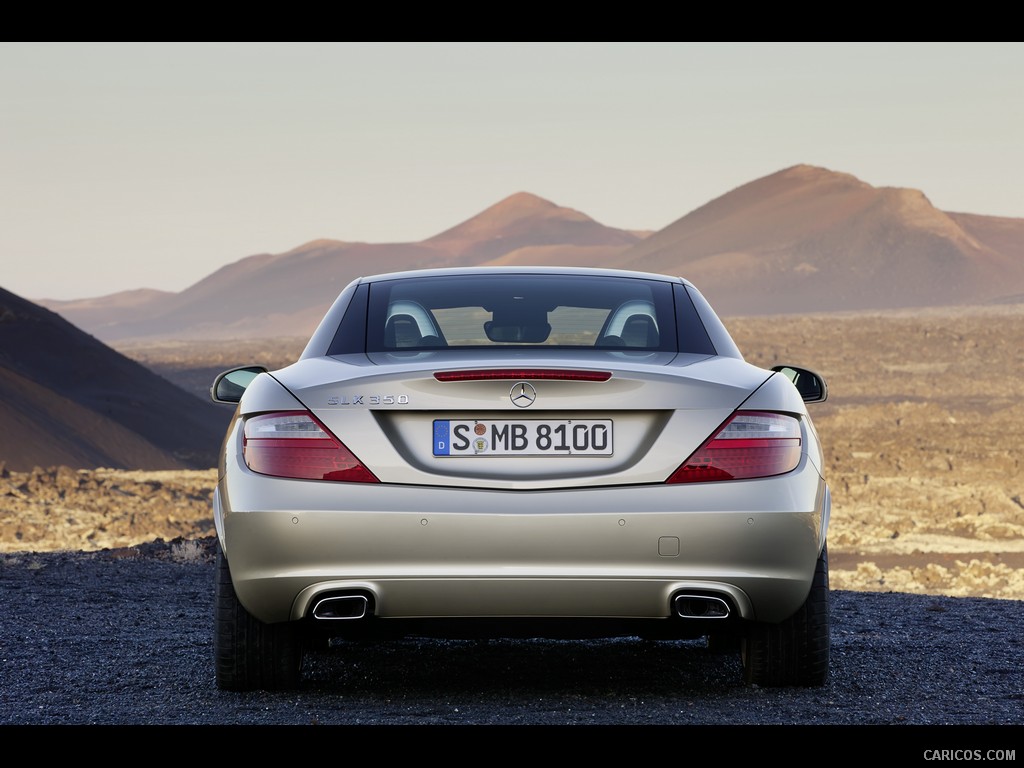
229	385
810	385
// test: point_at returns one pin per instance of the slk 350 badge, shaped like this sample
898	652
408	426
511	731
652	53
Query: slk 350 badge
368	400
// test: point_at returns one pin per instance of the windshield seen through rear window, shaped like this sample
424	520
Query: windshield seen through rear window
511	310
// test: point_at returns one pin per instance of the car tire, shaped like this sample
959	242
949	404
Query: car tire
794	652
250	654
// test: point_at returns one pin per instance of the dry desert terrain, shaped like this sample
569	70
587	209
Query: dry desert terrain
922	429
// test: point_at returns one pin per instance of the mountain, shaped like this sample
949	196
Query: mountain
270	295
97	313
521	223
810	239
803	239
68	399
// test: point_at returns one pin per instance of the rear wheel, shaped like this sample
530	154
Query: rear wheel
249	654
794	652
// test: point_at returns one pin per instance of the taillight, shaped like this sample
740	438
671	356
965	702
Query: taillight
294	444
750	444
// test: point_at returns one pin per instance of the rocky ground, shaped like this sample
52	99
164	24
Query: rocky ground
58	508
922	436
922	433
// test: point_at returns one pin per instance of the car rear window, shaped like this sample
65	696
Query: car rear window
524	311
520	310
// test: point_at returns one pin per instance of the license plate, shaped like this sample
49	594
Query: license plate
530	437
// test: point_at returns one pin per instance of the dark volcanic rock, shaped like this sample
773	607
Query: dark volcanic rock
68	399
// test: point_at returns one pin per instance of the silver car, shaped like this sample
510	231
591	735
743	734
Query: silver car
521	452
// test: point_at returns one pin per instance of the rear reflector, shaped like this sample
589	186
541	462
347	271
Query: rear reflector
551	374
750	444
294	444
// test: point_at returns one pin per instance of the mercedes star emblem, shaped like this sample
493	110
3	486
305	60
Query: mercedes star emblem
522	394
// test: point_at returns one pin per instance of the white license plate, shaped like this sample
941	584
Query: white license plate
529	437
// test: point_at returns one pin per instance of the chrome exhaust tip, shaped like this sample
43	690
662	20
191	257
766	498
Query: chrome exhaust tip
341	607
701	607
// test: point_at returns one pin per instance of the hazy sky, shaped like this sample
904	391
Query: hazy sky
131	165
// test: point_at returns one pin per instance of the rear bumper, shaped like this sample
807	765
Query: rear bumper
446	552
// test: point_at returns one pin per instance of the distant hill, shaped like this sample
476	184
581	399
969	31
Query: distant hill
68	399
96	314
810	239
521	223
270	295
800	240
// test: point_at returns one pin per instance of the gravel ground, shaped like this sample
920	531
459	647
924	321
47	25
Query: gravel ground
124	637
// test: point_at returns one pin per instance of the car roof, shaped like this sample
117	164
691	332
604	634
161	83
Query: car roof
506	270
